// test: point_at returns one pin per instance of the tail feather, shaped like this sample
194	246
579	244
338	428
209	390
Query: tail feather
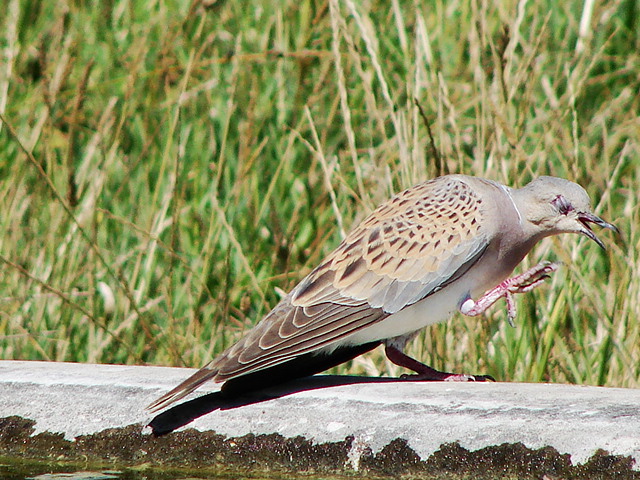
184	389
297	367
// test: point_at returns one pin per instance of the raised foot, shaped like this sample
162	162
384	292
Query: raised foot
523	283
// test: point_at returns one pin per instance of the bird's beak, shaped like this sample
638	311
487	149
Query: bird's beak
587	218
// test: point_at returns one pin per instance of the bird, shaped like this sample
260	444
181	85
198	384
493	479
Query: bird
446	245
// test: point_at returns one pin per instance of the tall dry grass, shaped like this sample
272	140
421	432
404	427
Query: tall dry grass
166	170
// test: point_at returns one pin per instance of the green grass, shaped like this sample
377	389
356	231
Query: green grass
188	163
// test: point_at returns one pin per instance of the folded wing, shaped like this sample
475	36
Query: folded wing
414	245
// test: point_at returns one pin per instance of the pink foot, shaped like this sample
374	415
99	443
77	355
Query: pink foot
525	282
425	372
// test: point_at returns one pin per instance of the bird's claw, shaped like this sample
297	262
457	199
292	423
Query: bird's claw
523	283
447	377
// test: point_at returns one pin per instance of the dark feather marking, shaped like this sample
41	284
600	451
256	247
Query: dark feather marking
350	246
310	286
351	268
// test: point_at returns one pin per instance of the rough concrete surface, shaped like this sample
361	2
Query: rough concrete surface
79	400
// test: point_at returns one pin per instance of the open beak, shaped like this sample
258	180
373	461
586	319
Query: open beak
587	218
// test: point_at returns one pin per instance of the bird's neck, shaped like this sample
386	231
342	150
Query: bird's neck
532	231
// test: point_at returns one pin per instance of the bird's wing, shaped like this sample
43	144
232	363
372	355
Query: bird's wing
410	247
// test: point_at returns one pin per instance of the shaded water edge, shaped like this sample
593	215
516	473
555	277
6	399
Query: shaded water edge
194	454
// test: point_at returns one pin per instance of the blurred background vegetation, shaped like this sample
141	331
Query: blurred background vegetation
168	169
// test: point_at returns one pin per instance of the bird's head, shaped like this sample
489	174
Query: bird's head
553	205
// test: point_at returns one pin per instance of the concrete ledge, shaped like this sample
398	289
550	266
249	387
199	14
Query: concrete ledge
366	417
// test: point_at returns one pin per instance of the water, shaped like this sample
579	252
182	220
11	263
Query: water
16	470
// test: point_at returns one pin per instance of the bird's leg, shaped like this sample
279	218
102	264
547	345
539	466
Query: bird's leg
525	282
425	372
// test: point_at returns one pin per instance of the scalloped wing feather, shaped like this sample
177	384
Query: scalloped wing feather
410	247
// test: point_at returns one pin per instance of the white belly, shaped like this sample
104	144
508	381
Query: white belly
433	309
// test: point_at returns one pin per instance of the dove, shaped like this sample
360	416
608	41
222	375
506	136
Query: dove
446	245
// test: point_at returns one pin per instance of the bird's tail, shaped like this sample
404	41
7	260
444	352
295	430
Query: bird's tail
184	389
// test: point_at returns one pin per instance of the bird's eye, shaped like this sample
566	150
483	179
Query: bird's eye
562	204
